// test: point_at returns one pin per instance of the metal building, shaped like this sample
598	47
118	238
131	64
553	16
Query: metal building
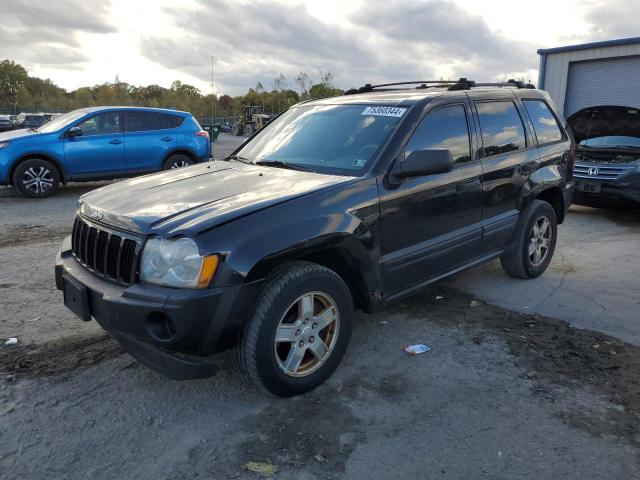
599	73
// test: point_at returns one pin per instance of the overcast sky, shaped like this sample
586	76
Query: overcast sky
78	42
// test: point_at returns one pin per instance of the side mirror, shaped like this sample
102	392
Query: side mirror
74	132
424	162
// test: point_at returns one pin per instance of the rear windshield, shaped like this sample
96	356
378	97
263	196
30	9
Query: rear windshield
337	139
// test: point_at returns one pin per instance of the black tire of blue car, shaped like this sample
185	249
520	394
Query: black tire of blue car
299	330
535	243
36	178
177	161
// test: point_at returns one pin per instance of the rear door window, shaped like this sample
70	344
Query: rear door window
501	126
544	122
444	127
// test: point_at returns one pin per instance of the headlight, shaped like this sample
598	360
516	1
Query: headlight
4	144
176	263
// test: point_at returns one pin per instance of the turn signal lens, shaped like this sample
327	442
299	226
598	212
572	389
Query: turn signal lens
209	267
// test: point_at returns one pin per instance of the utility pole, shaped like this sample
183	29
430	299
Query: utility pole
212	94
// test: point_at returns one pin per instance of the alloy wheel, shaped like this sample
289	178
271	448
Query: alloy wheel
37	179
180	164
307	334
540	241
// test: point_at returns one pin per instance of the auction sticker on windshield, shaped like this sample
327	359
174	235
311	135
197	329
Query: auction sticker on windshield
384	111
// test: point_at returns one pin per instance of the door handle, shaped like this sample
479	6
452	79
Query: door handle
468	185
530	166
166	139
115	141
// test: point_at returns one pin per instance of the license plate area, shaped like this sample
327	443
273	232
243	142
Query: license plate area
76	298
589	187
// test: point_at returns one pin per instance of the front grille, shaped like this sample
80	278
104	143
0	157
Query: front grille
599	172
109	254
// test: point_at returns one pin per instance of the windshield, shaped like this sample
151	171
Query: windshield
337	139
62	121
612	141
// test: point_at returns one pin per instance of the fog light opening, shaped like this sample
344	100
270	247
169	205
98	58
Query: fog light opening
161	326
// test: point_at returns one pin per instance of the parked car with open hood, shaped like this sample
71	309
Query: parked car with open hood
353	201
607	169
99	143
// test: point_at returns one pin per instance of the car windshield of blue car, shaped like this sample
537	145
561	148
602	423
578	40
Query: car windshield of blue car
61	121
612	141
334	139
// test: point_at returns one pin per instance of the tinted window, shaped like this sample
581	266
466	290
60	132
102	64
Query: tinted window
445	127
145	121
101	124
544	123
501	126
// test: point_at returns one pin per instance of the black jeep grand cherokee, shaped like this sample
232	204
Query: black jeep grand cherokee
350	201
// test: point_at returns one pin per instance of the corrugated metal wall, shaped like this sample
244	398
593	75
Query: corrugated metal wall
557	67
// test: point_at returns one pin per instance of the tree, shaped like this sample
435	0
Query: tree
12	77
303	81
280	82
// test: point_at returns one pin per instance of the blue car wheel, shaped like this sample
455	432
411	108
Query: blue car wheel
36	178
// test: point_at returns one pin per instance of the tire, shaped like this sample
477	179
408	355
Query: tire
177	161
236	130
530	258
249	129
292	365
36	178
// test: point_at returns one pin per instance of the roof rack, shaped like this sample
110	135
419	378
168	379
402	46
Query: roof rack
461	84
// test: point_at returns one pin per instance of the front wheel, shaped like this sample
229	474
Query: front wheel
36	178
535	242
299	330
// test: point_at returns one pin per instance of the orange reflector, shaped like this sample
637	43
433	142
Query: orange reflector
209	267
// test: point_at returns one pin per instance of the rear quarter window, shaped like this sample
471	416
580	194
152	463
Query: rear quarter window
149	121
544	121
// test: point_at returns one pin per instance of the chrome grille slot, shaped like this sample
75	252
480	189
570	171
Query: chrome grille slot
109	254
599	172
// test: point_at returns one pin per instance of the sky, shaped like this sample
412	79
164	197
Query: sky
83	43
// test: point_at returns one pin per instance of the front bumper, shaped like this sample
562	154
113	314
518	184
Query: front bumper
173	331
591	190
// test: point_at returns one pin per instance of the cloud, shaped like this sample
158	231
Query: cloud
254	41
380	41
613	19
45	33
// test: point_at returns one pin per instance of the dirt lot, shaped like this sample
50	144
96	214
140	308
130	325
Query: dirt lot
502	394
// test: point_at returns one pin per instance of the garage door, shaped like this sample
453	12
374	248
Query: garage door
603	82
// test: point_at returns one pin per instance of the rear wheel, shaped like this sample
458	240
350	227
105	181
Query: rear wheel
249	128
177	161
236	130
36	178
299	331
535	242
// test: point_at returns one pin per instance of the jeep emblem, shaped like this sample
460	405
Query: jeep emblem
95	214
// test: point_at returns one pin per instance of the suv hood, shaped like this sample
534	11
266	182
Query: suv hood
15	134
194	198
605	120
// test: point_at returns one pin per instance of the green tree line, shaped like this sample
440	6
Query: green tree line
21	92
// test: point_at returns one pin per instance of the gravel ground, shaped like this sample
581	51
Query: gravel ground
501	394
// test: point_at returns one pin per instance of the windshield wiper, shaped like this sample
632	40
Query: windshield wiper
238	158
280	164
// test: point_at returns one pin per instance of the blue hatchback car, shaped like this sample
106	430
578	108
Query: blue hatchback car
100	143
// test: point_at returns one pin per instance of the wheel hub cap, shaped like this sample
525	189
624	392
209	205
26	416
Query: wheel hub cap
37	179
540	241
307	334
